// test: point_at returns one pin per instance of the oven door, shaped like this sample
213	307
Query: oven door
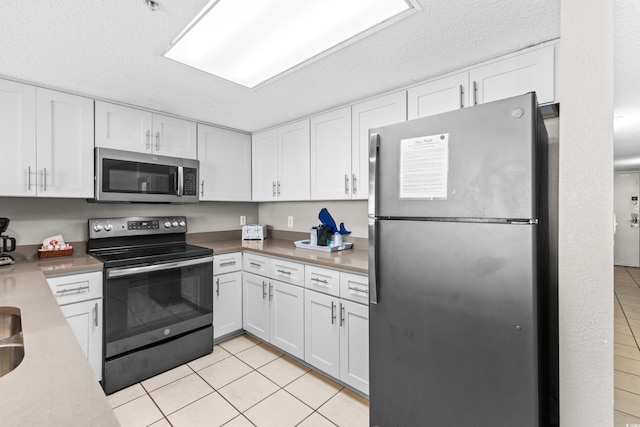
145	304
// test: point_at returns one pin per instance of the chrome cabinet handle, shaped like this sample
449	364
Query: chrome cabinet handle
461	97
28	178
44	179
278	188
264	289
254	264
346	183
158	141
270	291
202	188
341	314
333	312
78	289
148	139
355	183
355	289
273	188
315	279
284	272
227	264
218	286
475	93
95	315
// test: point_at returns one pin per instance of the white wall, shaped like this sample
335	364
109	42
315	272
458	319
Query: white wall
305	215
586	213
33	219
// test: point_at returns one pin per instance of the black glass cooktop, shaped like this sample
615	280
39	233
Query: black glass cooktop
149	255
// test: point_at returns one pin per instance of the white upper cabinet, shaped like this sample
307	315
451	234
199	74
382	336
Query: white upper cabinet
18	139
225	164
174	137
331	155
64	150
123	128
438	96
381	111
516	75
47	137
130	129
264	154
280	159
293	153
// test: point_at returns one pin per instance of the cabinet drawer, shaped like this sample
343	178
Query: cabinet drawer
288	272
76	287
354	287
256	264
227	263
322	280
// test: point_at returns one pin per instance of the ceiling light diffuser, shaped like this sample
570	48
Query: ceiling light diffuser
251	41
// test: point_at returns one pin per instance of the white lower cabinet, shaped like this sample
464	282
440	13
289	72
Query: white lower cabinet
287	317
354	345
325	323
85	319
337	338
227	294
322	332
274	312
227	303
80	299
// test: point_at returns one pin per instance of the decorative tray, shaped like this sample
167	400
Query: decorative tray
306	244
44	253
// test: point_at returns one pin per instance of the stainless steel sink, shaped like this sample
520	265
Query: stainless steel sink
11	341
10	323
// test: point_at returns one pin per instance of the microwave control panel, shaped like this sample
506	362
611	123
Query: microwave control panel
190	182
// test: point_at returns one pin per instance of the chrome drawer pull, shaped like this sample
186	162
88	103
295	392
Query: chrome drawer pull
320	280
355	289
227	264
255	264
78	289
284	272
333	312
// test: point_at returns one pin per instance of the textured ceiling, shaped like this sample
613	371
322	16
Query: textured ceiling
111	50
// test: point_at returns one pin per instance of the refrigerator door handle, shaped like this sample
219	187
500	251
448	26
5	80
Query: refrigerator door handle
373	268
374	143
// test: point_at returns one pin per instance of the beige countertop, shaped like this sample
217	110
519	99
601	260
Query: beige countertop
54	384
355	260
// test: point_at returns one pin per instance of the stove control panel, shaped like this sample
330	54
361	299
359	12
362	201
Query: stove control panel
135	226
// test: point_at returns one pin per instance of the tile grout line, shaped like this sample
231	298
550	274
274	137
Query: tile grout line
623	311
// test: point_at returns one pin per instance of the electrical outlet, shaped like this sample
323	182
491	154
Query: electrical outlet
290	221
243	220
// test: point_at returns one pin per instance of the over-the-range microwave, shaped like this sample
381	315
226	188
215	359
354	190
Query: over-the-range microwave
124	176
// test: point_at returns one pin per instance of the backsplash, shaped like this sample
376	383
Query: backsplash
33	219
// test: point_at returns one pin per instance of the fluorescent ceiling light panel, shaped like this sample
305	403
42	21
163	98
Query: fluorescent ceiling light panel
251	41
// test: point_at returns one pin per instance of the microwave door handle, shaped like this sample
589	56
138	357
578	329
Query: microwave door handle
180	189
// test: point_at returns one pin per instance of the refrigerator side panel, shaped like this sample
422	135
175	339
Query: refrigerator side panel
489	158
453	338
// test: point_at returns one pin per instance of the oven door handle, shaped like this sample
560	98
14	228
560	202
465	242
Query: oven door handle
119	272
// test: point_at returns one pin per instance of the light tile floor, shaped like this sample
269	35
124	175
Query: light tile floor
626	350
242	383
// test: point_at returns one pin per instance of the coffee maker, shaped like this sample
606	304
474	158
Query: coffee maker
8	243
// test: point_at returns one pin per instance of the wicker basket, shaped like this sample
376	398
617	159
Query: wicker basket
43	253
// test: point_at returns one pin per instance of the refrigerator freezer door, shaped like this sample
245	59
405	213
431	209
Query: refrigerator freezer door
453	336
490	161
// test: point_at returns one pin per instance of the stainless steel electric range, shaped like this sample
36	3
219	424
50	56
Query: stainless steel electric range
158	296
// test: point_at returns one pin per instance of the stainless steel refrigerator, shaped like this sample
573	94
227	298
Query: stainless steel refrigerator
462	270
